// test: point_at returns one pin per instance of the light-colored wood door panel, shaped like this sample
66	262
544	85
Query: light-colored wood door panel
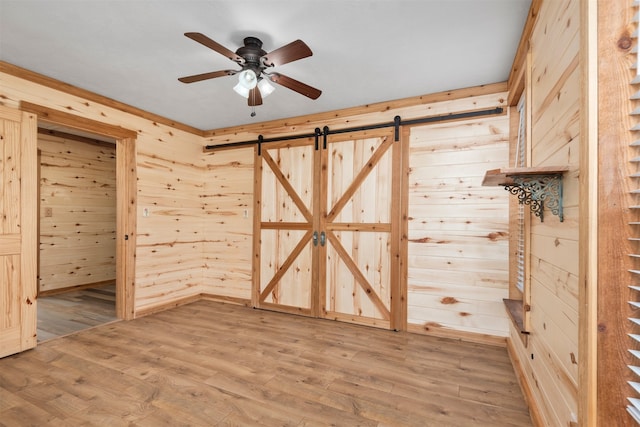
283	277
328	228
18	231
358	226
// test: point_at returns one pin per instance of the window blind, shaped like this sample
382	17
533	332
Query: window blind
633	407
520	162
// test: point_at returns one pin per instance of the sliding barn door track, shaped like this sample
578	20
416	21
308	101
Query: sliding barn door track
396	123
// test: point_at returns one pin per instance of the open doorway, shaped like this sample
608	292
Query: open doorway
126	178
77	231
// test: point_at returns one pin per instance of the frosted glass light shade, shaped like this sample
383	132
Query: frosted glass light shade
247	80
241	90
265	87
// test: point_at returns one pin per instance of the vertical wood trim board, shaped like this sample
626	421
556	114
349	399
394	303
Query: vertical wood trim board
126	178
588	212
29	227
257	218
616	58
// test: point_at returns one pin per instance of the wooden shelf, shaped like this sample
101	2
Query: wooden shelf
515	309
535	187
504	176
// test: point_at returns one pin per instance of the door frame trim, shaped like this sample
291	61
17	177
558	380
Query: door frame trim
126	176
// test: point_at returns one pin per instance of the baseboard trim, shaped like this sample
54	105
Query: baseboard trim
458	335
527	391
75	288
145	311
412	328
229	300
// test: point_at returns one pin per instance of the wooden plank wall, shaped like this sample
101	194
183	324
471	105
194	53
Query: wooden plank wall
169	264
228	228
477	273
170	238
550	362
77	212
193	236
458	229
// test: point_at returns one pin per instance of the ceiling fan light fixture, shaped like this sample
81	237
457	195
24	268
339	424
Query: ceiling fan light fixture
241	90
265	88
254	83
248	79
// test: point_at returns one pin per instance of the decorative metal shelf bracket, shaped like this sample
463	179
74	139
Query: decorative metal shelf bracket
539	191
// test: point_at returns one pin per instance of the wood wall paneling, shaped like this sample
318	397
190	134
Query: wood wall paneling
550	360
228	225
197	238
458	230
77	212
171	213
177	191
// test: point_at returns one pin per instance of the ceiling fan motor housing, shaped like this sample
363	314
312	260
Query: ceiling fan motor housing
252	53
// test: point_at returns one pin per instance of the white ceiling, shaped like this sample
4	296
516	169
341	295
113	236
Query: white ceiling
364	51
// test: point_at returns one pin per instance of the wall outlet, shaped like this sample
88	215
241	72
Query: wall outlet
48	212
246	213
145	212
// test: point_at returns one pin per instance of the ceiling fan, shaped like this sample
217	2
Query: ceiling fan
253	76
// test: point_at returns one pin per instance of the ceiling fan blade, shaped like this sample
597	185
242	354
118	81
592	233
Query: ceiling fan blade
295	85
255	97
206	41
288	53
206	76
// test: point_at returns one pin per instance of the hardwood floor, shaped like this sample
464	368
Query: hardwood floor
69	312
209	364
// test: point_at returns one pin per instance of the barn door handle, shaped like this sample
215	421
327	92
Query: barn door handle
323	238
315	238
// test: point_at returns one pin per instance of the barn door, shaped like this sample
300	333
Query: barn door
327	240
285	272
18	230
360	221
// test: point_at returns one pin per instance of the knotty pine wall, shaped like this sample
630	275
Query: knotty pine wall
77	212
550	360
170	166
458	229
170	240
197	237
458	250
228	205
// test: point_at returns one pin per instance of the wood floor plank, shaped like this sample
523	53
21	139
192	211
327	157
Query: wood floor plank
215	364
68	312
